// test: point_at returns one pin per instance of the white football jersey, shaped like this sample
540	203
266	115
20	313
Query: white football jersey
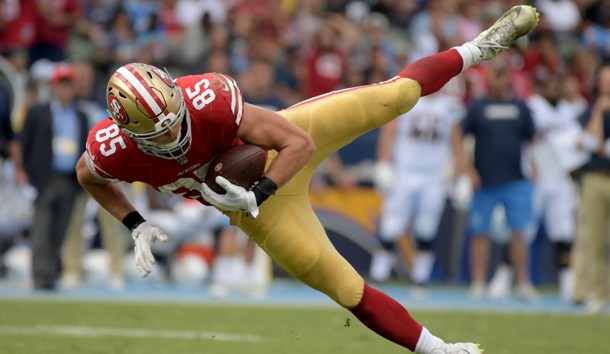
552	121
423	135
549	118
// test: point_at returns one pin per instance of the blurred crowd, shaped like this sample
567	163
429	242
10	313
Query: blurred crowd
280	52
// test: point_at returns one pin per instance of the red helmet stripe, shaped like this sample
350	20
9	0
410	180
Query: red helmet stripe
146	97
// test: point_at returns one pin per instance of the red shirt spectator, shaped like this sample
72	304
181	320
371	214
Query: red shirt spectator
55	19
325	64
541	58
17	24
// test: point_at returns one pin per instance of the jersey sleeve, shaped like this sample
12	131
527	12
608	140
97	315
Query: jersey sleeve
232	97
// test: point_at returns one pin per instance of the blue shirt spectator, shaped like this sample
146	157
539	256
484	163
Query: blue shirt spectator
66	130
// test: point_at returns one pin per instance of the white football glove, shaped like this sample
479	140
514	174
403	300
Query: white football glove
236	199
462	193
383	177
144	236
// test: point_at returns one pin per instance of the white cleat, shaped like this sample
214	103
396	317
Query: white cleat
219	290
477	291
501	283
516	22
381	266
526	292
458	348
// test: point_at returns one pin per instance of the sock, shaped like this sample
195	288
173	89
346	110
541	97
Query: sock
434	71
427	342
386	317
470	53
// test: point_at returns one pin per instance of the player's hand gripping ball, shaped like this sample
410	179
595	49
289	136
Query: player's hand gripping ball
241	165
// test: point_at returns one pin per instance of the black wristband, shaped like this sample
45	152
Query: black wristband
132	220
264	189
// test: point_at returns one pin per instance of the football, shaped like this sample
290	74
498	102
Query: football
242	165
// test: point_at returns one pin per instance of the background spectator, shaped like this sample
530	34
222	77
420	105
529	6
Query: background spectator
500	125
53	138
87	213
55	20
555	195
590	257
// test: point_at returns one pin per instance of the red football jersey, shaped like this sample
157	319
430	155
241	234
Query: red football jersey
215	106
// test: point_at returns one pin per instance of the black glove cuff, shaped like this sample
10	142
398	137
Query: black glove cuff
264	189
132	220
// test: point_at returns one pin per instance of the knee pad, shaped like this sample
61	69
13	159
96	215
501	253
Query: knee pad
349	290
409	90
336	278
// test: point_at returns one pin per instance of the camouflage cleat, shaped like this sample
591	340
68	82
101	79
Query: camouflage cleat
515	23
458	348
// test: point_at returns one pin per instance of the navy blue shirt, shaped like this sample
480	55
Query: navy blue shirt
597	161
500	130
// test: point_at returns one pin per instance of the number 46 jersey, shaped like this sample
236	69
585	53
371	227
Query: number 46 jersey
215	106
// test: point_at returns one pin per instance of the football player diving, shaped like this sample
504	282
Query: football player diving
164	132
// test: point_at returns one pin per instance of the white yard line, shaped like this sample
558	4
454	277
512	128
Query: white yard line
82	331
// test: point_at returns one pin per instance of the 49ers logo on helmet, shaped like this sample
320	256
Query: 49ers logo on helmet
116	110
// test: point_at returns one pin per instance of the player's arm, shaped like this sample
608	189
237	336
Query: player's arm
109	195
112	198
463	165
14	151
595	126
268	130
271	131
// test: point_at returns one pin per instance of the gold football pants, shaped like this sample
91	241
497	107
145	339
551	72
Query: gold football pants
287	228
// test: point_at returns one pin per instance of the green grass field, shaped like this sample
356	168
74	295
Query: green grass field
71	327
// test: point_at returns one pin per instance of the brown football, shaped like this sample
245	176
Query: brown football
242	165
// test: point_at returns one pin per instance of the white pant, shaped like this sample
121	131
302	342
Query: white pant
555	206
417	199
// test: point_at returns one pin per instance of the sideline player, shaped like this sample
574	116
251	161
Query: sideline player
413	187
164	133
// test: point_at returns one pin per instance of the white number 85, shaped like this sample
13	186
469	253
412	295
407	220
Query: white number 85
112	132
